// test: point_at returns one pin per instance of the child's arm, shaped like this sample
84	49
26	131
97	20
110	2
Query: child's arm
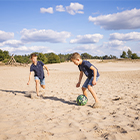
46	69
80	78
29	78
95	73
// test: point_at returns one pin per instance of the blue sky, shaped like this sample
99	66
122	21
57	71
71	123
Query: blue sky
98	27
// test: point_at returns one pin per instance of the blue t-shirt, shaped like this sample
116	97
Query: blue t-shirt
38	70
85	67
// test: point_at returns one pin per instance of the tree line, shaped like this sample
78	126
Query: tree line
129	54
48	58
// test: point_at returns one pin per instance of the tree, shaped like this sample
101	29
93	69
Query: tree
53	58
86	56
106	57
123	54
62	57
1	55
134	56
112	57
4	55
42	57
22	58
129	53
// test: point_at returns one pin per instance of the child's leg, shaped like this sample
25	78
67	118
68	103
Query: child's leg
93	93
43	86
42	83
84	91
84	87
37	87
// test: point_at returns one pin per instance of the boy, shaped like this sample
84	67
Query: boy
92	76
37	68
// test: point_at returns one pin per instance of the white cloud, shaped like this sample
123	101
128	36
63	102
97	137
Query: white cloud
114	47
87	39
96	13
48	10
128	19
113	44
60	8
74	8
5	35
132	36
80	12
124	48
27	50
88	48
120	8
13	43
51	36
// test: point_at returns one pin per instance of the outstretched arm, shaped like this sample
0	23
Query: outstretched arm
95	73
80	78
29	78
47	70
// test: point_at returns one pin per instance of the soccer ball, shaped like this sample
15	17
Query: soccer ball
81	100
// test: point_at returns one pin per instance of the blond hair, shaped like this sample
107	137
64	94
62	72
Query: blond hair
75	56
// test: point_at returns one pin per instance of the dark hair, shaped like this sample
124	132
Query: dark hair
33	55
75	56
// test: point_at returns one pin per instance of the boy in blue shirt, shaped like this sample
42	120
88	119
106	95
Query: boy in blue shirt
92	76
37	68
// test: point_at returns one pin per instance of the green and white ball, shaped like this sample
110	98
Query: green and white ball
81	100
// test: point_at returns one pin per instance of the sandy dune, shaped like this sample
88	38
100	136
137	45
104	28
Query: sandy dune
58	117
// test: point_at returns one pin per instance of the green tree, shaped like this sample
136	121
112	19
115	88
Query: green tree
134	56
112	57
22	58
86	56
42	57
53	58
1	55
62	57
129	53
19	58
123	54
4	55
106	57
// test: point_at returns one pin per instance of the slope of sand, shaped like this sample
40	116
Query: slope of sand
57	116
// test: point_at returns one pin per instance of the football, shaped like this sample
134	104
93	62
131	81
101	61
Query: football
81	100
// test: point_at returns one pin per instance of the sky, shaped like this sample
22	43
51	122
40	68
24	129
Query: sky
97	27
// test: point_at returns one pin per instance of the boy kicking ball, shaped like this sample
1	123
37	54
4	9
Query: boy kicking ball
37	68
92	76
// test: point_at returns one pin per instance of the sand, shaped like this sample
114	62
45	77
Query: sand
58	117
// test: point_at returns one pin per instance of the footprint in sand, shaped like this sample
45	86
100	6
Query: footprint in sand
31	94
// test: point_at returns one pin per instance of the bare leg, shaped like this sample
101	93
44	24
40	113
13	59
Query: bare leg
43	86
43	91
37	87
93	93
84	91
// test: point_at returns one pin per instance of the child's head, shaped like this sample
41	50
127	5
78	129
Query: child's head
76	58
34	57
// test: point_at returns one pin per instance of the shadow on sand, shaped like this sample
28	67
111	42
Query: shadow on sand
15	92
61	100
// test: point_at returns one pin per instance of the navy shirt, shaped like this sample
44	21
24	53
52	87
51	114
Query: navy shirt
85	67
38	70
